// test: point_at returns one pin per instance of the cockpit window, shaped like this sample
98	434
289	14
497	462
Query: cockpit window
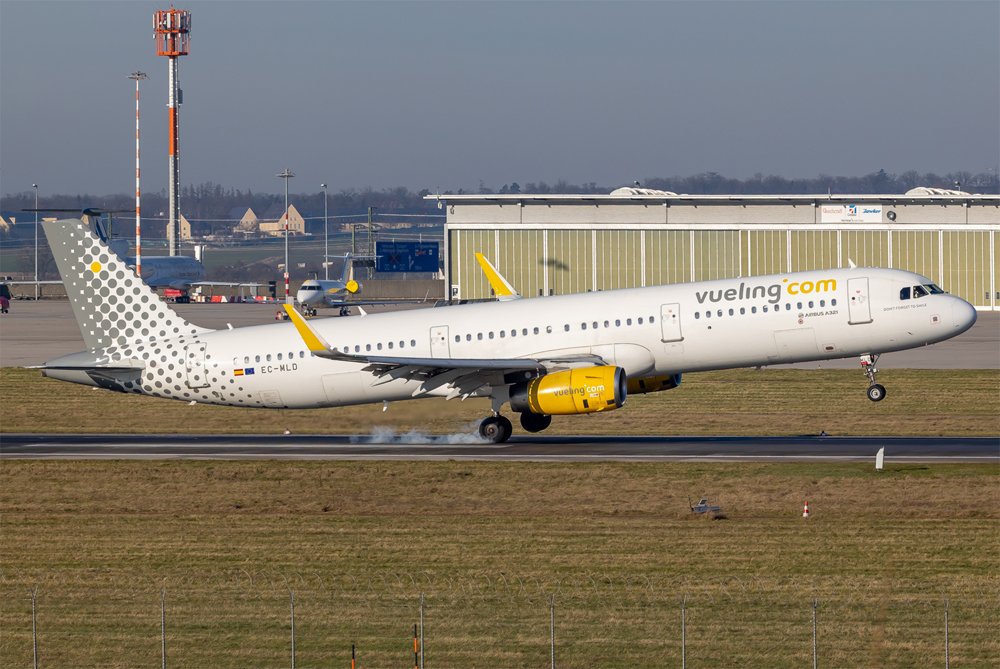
934	288
904	294
307	287
919	291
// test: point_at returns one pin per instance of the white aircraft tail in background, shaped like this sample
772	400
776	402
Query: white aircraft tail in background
564	355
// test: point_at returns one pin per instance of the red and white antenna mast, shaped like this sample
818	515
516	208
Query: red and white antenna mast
137	77
172	32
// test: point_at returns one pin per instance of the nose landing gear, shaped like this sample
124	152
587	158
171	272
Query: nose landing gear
496	428
876	391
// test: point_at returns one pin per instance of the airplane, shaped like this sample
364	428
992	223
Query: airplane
175	272
324	292
561	355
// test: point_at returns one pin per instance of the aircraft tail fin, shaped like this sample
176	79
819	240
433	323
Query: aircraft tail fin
113	307
350	284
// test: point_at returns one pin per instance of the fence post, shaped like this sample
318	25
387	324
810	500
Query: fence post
291	599
947	654
684	632
815	656
421	630
552	631
34	630
163	628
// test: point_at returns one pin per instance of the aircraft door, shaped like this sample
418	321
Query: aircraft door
858	307
439	342
670	322
194	365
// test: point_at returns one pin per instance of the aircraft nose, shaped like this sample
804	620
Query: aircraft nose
963	314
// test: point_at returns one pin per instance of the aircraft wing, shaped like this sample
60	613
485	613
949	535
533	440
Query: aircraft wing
463	375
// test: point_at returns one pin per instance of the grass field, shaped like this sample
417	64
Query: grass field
740	402
488	544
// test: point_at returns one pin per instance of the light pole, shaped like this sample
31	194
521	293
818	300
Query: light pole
326	235
35	186
286	174
137	76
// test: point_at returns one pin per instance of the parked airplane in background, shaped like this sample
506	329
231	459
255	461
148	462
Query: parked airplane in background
176	272
571	354
328	292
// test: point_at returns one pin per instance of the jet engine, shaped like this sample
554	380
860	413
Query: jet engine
573	391
653	384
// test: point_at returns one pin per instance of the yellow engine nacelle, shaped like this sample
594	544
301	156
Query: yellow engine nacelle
573	391
653	384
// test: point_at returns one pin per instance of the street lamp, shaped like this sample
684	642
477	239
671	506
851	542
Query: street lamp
326	235
35	186
286	174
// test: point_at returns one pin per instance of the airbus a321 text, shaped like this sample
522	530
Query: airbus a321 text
571	354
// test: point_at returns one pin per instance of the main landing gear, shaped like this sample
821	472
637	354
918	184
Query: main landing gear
498	429
876	391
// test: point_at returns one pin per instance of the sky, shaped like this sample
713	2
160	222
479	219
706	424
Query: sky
446	95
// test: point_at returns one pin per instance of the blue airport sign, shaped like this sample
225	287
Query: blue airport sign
406	256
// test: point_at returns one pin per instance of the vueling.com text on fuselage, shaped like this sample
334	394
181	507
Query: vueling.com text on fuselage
772	292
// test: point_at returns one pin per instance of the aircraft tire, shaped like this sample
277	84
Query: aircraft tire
496	429
535	422
876	392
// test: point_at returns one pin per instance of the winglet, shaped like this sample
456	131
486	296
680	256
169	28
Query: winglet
314	342
501	288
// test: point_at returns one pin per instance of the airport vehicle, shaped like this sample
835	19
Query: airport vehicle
563	355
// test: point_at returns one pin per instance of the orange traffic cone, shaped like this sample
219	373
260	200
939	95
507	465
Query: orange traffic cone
805	510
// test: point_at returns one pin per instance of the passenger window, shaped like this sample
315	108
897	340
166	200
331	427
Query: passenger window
731	312
468	337
368	347
583	326
246	360
640	320
708	314
402	344
697	315
379	346
479	336
810	304
413	342
524	332
788	306
503	333
357	349
535	330
798	305
279	356
764	308
742	311
651	319
548	329
833	302
719	313
491	335
390	344
753	310
822	303
458	338
566	327
607	324
513	333
595	325
628	321
269	357
618	323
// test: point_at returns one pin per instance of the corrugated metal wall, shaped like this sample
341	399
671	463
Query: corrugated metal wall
565	259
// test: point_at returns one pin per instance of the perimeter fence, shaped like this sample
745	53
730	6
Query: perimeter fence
273	618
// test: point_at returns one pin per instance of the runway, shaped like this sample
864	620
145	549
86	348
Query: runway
520	449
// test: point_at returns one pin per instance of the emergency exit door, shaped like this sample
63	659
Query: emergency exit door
439	342
670	322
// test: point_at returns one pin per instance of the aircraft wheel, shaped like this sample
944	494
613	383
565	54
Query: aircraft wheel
876	392
535	422
496	429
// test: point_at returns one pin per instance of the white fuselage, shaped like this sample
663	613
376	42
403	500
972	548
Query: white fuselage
670	329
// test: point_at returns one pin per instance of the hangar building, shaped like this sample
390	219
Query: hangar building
560	244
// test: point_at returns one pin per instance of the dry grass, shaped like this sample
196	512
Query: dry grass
744	402
488	544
